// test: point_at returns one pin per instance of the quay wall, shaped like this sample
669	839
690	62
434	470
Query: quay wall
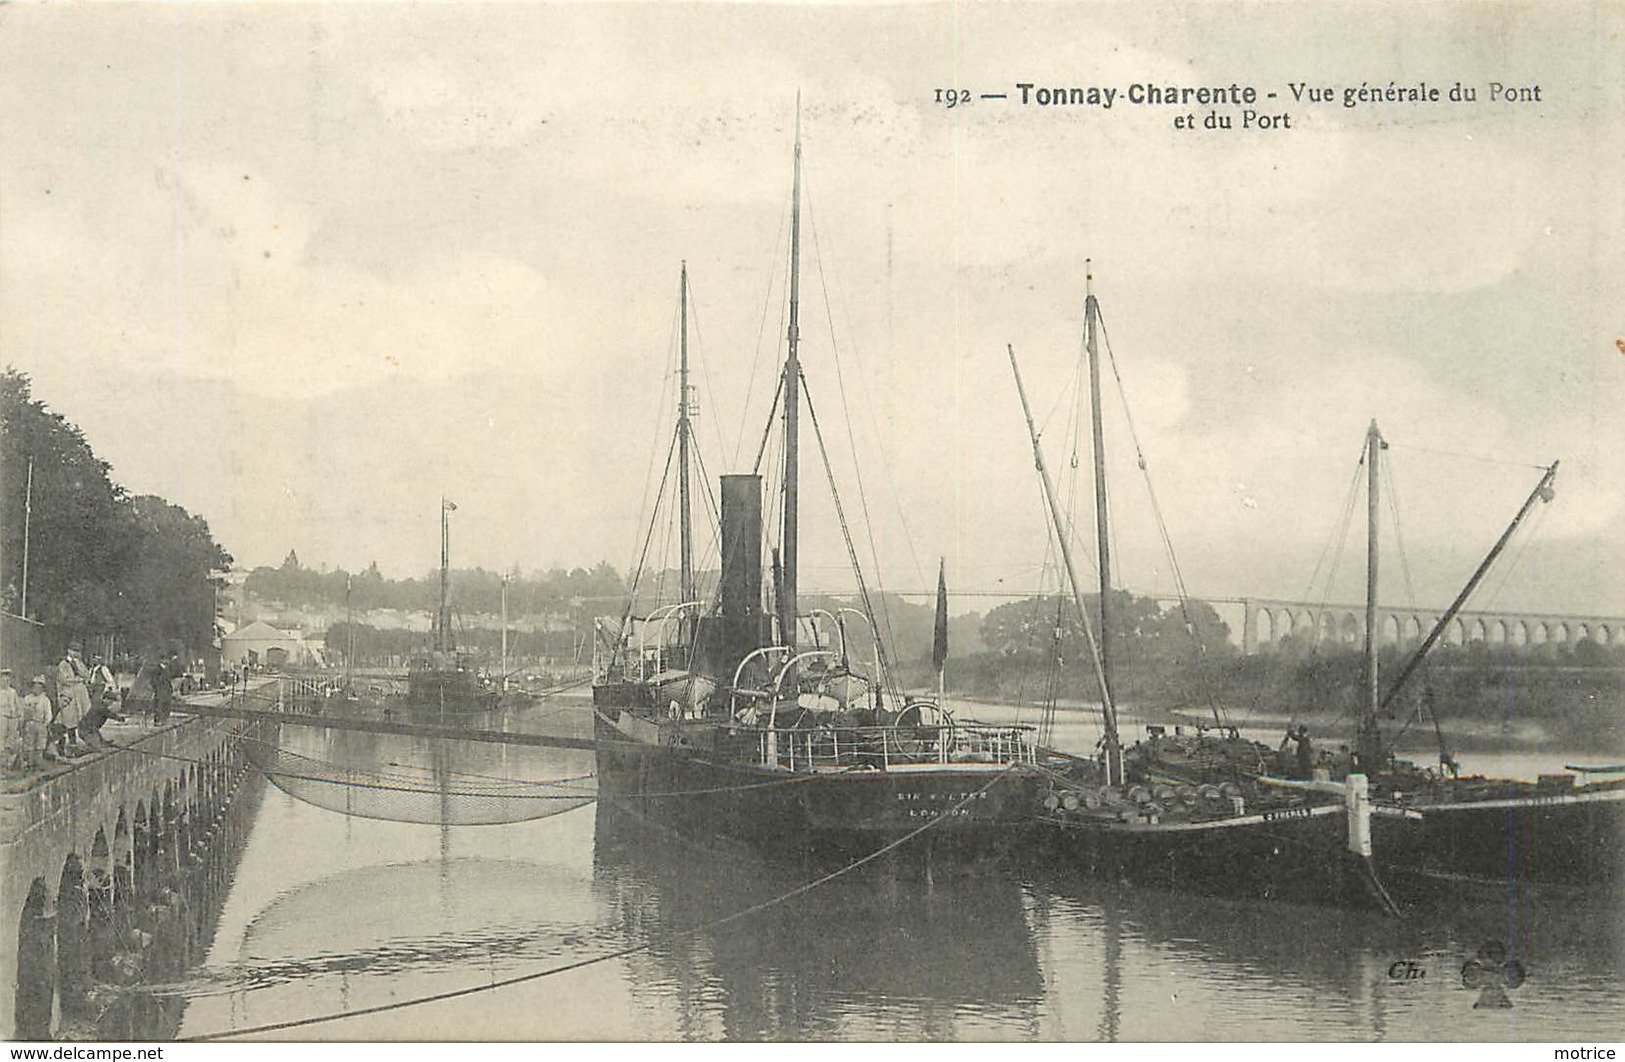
112	872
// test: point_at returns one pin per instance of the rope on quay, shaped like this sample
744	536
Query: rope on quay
536	975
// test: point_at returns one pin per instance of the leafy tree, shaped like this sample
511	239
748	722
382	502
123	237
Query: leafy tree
100	562
168	593
76	545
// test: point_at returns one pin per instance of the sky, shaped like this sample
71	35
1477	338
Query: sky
307	269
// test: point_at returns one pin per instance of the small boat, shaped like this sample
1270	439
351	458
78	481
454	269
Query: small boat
1191	812
714	717
447	682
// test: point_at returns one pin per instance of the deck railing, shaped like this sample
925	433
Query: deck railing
884	747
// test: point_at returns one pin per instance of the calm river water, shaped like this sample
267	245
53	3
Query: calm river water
333	913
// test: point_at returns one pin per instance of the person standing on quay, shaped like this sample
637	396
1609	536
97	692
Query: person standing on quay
11	722
73	698
104	691
103	697
163	694
36	721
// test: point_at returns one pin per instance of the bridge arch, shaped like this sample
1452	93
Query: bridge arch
1287	624
1413	629
1273	622
1269	632
1349	629
1325	628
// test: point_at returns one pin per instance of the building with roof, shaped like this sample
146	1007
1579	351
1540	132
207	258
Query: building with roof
261	644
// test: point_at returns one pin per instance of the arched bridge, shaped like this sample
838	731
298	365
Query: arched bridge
1266	623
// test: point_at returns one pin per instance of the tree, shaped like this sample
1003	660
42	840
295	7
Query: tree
168	593
100	562
76	550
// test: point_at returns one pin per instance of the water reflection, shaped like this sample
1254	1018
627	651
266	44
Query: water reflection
329	912
891	950
1173	966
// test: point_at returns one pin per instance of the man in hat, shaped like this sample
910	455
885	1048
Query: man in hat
36	719
11	721
73	698
103	704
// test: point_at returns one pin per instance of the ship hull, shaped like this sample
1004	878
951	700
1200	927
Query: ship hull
687	779
1573	837
448	693
1298	854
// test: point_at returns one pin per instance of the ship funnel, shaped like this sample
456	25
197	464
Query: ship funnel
742	556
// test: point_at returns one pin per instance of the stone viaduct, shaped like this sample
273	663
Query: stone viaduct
1267	622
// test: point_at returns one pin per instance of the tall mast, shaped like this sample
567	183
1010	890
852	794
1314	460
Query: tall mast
685	525
1108	708
443	620
4	516
28	519
792	393
1369	739
1091	310
504	633
349	634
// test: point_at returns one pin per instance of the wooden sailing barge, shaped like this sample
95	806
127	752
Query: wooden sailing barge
1191	813
1561	830
714	718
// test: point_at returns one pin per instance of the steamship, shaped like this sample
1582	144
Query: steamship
734	717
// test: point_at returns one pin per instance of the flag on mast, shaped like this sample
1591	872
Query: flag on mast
939	645
448	505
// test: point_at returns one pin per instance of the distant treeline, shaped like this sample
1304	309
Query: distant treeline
1557	693
1168	659
375	647
556	592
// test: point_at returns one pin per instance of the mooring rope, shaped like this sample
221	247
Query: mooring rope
619	953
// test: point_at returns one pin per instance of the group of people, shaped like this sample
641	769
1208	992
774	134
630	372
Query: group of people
33	728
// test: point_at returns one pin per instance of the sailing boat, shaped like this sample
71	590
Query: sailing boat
1553	831
713	717
446	682
1129	816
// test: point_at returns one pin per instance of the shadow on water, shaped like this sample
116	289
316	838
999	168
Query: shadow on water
1174	966
890	950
